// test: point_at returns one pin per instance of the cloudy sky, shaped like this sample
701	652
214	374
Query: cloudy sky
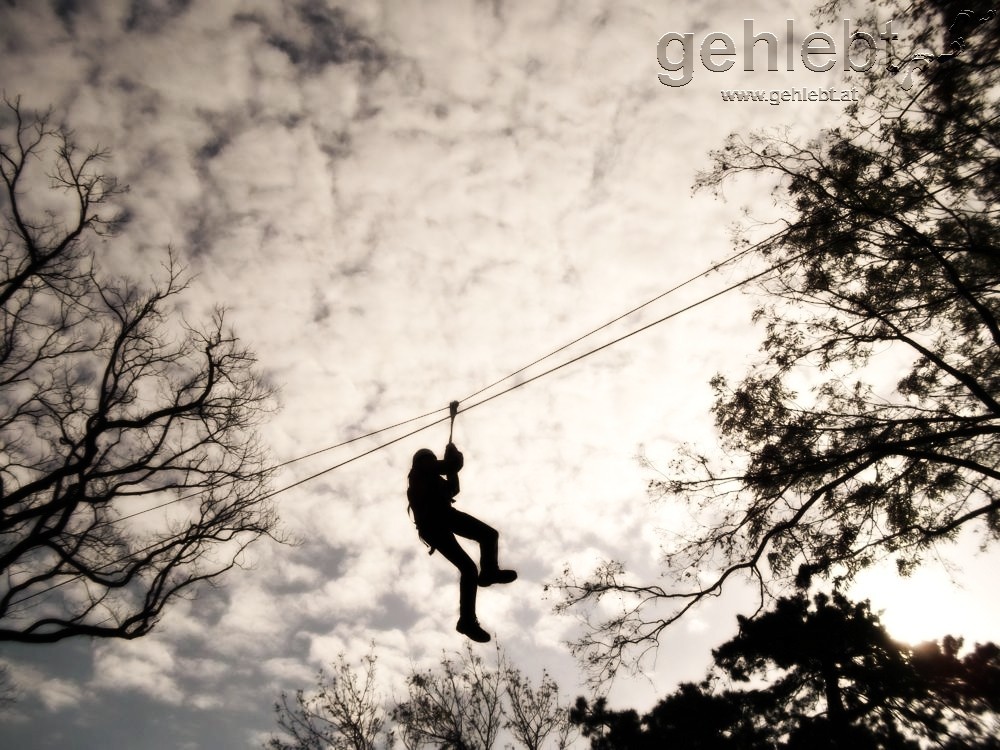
400	202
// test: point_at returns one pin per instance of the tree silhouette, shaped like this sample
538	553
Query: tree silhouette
534	713
458	708
691	717
345	712
129	466
837	656
869	429
463	705
833	679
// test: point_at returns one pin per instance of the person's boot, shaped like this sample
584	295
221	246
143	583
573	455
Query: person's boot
497	575
469	627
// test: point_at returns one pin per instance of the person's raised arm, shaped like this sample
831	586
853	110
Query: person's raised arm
453	463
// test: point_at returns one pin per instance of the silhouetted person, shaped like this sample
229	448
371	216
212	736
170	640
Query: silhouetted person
431	496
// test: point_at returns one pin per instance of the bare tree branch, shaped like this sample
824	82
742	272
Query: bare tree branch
110	408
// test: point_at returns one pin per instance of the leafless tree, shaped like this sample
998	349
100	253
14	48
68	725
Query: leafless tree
533	714
345	712
130	469
459	708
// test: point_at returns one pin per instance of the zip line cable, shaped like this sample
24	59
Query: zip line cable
636	309
355	439
660	296
355	458
646	327
567	363
675	288
514	387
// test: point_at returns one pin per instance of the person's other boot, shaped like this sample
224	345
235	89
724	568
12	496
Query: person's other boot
469	627
498	575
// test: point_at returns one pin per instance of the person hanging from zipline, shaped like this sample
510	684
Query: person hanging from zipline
433	486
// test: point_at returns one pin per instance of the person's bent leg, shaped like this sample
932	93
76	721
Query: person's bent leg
448	546
488	538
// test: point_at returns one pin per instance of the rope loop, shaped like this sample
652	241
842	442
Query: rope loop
453	411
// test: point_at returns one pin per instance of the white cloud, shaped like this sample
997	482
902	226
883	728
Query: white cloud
288	671
146	666
55	694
